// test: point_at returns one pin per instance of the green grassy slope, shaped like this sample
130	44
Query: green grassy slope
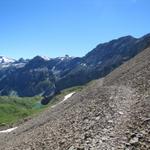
15	109
12	109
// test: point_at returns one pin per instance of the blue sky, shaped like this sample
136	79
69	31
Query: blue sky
58	27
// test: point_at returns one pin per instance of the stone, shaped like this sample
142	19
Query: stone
71	148
134	140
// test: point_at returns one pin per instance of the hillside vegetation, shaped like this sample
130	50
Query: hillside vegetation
12	109
15	109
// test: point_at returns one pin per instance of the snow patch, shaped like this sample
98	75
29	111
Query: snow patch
83	64
66	57
16	65
8	130
19	65
68	96
5	65
65	98
45	58
53	68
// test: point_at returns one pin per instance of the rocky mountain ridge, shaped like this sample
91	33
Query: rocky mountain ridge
41	76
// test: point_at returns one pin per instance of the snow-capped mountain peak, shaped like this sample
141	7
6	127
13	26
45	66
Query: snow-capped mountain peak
45	58
66	57
6	60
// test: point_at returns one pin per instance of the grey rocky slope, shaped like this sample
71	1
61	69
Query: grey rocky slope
110	114
44	76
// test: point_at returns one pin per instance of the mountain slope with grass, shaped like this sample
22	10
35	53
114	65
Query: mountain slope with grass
110	113
14	109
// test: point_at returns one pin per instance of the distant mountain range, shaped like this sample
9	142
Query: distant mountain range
46	76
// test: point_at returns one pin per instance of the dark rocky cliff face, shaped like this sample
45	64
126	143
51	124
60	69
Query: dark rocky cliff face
27	82
40	76
103	59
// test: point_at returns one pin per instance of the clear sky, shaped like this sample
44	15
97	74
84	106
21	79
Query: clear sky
58	27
